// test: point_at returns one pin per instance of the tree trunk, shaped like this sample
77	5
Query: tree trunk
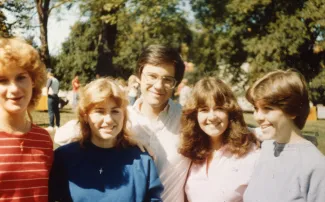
43	15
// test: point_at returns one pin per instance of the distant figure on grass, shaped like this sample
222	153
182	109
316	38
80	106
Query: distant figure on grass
102	165
26	150
215	137
75	87
52	89
133	89
185	92
154	117
290	168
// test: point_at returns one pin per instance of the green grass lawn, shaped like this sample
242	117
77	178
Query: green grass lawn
41	118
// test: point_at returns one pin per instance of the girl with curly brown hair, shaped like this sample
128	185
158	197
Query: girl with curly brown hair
215	137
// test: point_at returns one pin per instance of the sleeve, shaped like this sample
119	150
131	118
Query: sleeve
155	187
58	182
316	191
67	133
48	83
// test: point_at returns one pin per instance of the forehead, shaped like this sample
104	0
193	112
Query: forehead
161	69
106	103
11	69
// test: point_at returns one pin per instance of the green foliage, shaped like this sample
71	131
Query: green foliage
317	88
267	34
79	54
114	34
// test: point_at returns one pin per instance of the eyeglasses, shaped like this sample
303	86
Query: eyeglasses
169	82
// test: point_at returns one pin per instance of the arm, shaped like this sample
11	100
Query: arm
58	182
48	85
67	133
316	190
155	188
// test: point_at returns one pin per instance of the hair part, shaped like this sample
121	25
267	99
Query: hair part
96	92
16	52
158	55
195	143
285	89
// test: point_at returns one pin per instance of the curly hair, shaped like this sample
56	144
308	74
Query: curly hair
96	92
195	143
15	52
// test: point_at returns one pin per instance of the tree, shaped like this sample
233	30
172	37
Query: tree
23	11
113	35
269	34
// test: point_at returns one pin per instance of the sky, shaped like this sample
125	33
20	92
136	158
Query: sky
59	26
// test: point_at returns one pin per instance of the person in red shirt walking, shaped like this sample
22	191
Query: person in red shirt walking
26	150
75	87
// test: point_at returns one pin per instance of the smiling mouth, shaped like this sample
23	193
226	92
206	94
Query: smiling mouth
265	126
15	99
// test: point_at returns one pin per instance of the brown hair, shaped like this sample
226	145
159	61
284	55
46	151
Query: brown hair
15	52
286	90
157	55
195	144
95	92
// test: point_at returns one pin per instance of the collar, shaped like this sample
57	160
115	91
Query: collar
166	110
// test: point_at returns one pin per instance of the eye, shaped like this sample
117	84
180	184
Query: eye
116	111
169	80
152	76
204	109
99	111
21	77
3	80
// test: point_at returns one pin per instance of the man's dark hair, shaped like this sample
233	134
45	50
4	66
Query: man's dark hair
159	54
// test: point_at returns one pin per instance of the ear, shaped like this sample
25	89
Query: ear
85	117
138	79
292	116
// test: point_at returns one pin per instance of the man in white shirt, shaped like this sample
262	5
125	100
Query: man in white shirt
155	118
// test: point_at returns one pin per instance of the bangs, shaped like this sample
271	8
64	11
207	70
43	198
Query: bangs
212	97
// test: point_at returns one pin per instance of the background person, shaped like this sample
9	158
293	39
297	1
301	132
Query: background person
26	150
133	89
290	168
215	137
52	89
75	87
102	165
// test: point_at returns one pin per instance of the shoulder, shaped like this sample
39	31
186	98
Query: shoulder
311	157
37	130
174	108
68	149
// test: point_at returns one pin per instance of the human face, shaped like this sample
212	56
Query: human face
156	95
16	87
106	122
213	120
274	123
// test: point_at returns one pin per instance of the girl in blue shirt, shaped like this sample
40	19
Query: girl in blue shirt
103	165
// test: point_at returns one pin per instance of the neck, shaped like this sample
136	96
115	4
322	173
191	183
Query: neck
290	137
14	123
216	142
150	111
105	144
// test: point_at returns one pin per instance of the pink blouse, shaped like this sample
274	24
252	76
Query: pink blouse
225	180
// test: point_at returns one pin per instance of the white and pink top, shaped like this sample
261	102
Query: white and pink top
225	180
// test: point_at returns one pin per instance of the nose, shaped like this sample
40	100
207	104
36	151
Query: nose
212	114
108	118
258	116
13	87
159	84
